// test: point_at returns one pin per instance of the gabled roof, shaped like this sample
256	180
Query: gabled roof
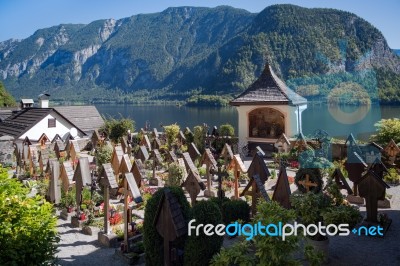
268	89
86	118
19	123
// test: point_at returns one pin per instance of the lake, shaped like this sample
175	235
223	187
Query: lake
338	122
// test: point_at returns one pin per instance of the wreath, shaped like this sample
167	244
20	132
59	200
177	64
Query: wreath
314	176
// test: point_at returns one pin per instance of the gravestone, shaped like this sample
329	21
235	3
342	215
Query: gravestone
193	183
282	143
116	158
238	167
194	152
44	155
181	138
155	133
67	175
256	189
171	157
227	154
372	188
143	154
43	140
170	223
209	160
138	172
82	178
108	181
96	139
392	150
282	189
54	187
157	161
73	150
156	144
59	149
33	158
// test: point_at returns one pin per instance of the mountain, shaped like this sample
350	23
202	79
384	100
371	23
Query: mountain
192	53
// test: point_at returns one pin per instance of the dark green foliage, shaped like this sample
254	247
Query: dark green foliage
152	241
227	130
235	210
200	249
6	100
202	55
387	129
219	202
116	128
28	233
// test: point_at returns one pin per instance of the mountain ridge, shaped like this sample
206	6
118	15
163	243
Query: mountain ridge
184	52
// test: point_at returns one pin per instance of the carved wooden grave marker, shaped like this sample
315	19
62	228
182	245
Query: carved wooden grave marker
138	172
220	174
67	175
238	167
307	183
156	143
44	156
391	151
170	223
33	158
282	189
130	190
340	181
193	183
355	167
282	143
145	142
108	181
96	139
116	158
82	178
258	173
209	161
372	188
73	150
125	166
54	187
193	151
181	138
143	153
171	157
227	154
59	149
157	161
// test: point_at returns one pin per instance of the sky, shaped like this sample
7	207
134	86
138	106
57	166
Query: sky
21	18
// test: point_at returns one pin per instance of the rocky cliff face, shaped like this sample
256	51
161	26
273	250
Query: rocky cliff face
184	50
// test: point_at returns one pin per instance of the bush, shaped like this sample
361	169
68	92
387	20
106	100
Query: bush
171	132
116	128
200	249
103	155
152	241
28	233
198	137
342	215
387	129
392	176
227	130
175	174
235	210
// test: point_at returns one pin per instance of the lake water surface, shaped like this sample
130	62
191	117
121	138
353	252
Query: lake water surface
338	122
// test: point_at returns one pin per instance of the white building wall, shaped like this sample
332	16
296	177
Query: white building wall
62	127
289	112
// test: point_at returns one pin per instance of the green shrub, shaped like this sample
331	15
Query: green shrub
171	132
175	174
235	210
152	241
200	249
116	128
342	214
199	133
28	233
227	130
392	176
387	129
219	202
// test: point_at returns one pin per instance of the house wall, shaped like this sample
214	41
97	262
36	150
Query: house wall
62	127
291	114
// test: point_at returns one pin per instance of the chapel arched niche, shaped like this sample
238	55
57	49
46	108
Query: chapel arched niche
266	123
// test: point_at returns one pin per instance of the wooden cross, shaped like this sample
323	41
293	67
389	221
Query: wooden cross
210	162
307	183
238	168
220	175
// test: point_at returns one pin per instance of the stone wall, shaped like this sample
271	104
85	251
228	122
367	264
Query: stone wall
6	150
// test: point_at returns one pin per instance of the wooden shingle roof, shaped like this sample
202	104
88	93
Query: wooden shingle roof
86	118
268	89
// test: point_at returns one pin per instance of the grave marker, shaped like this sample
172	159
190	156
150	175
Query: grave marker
355	166
116	158
67	175
143	153
170	223
220	174
209	161
282	189
227	154
193	151
340	181
193	183
258	166
238	167
59	149
157	161
138	172
82	178
257	190
145	142
125	166
282	143
391	151
171	157
54	187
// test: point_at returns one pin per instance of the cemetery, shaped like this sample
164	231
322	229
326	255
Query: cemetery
133	193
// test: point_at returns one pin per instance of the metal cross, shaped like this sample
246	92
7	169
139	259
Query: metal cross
307	183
